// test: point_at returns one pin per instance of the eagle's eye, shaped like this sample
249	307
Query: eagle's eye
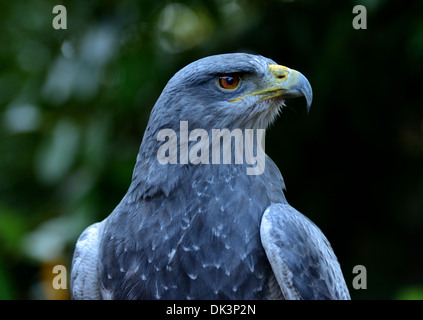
228	81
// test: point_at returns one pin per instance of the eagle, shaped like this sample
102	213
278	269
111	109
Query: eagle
196	223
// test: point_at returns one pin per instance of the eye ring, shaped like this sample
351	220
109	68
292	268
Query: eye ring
228	82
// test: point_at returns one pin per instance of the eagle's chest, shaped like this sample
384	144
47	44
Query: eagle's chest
212	251
201	242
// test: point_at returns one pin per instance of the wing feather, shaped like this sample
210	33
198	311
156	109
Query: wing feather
301	257
85	284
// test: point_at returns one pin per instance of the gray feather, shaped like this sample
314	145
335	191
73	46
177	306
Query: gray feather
301	257
85	280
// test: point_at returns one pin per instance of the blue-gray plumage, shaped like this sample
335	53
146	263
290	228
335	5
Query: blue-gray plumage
209	231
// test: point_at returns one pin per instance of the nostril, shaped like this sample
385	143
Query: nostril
281	76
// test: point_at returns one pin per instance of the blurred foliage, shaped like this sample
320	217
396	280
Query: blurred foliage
74	104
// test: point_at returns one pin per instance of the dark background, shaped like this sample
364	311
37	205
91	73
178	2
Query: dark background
74	104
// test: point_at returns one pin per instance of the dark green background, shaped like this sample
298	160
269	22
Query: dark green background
74	104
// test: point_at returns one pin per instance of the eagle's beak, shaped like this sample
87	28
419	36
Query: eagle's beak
292	83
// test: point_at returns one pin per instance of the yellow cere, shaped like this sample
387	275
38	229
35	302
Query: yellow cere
281	74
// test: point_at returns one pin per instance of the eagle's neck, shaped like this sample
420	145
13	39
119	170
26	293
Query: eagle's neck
167	155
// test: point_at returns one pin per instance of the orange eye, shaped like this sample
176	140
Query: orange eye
229	82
